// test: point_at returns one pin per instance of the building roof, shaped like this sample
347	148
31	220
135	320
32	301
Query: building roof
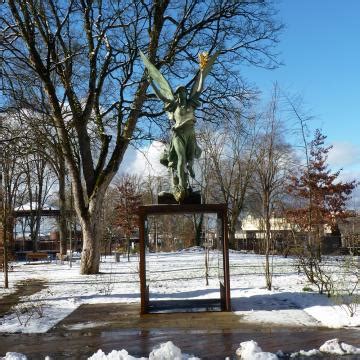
34	206
251	223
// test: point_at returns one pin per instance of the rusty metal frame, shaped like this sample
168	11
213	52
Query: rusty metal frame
167	209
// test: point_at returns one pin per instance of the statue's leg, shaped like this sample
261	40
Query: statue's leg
181	161
190	153
190	168
175	178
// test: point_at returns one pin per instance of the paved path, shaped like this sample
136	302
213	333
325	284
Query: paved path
211	335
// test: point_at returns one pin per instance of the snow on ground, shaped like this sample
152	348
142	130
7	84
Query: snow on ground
248	350
178	275
163	352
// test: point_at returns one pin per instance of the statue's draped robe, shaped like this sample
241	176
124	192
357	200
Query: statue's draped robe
184	134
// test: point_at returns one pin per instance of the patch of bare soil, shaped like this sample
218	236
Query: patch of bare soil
23	288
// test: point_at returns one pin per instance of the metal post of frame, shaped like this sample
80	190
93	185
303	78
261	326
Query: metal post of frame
167	209
226	300
143	289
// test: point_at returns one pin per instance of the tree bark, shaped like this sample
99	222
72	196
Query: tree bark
92	232
3	235
232	227
90	257
232	239
198	223
63	213
128	246
268	272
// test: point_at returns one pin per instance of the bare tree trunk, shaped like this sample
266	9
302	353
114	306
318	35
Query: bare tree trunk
92	232
156	234
3	229
36	233
34	240
319	235
232	227
6	274
90	257
63	212
198	222
268	272
128	241
207	264
232	238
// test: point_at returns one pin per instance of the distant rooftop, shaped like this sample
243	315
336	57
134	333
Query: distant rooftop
34	206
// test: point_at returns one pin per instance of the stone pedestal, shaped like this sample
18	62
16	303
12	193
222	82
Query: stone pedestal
167	198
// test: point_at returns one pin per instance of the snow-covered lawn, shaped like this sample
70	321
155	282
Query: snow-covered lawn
178	275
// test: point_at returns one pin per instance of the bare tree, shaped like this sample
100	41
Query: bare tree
10	184
3	244
128	201
151	187
206	183
231	150
271	170
85	56
45	138
39	180
110	220
12	172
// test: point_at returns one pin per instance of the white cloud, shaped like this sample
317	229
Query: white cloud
344	154
144	161
347	176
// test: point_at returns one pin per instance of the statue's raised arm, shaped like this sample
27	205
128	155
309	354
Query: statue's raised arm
206	64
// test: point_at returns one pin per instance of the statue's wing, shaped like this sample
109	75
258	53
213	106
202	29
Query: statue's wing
206	70
156	76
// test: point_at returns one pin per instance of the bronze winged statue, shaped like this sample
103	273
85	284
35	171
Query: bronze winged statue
180	106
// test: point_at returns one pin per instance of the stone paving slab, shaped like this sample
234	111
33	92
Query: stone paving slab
210	335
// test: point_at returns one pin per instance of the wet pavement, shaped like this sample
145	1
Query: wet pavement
210	335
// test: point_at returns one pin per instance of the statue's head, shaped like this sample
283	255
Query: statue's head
181	94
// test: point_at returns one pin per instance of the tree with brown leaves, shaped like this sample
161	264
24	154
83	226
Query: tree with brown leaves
319	195
129	198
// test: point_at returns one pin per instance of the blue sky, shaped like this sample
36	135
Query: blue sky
320	51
